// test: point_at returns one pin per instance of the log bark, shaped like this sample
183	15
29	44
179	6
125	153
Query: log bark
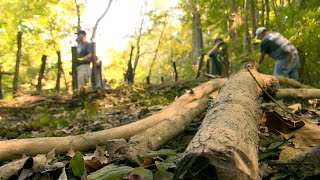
226	145
302	93
154	138
10	149
41	72
291	82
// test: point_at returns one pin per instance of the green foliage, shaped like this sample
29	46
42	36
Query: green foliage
110	172
145	173
90	108
77	164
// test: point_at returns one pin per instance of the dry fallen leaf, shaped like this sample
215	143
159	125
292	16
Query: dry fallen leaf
97	159
295	107
276	124
308	135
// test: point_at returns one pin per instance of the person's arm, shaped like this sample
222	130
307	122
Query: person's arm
213	50
87	57
261	57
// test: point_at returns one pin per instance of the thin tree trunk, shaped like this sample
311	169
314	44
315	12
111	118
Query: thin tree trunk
129	75
94	77
246	41
59	71
267	6
41	72
263	11
16	73
98	20
74	68
252	18
1	96
197	45
175	72
156	52
136	59
226	64
78	15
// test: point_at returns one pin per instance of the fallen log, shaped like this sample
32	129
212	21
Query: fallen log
157	136
226	145
11	149
298	93
291	82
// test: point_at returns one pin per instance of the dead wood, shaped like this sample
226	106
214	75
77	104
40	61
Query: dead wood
298	93
226	145
157	136
10	149
291	82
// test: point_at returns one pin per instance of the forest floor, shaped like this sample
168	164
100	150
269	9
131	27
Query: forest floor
282	135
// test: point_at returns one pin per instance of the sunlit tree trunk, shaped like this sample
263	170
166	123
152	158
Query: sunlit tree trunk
59	71
197	40
78	15
16	73
155	53
1	96
41	72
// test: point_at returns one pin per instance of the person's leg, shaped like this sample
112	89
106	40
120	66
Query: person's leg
87	76
80	78
277	70
293	68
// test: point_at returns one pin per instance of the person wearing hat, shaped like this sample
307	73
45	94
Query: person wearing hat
84	59
215	55
281	50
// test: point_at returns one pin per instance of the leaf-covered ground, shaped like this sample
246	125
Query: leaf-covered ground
288	146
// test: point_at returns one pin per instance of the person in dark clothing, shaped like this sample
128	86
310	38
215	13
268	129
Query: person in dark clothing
281	50
216	59
84	59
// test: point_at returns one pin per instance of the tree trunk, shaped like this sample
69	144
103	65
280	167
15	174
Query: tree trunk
1	96
226	145
10	149
136	59
41	72
155	53
175	72
253	18
226	64
74	68
263	11
59	66
129	75
94	78
298	93
267	13
78	15
246	41
197	40
16	73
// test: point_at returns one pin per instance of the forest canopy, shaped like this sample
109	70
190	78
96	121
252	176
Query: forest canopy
165	33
